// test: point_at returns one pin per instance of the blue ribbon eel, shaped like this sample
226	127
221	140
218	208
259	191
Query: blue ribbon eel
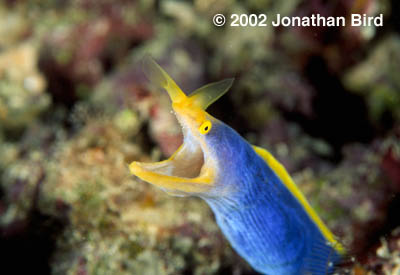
258	207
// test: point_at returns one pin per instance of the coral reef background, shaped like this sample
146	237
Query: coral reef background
75	109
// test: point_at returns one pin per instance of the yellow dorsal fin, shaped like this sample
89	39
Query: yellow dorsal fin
283	175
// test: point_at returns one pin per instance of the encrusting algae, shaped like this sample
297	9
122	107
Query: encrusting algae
75	110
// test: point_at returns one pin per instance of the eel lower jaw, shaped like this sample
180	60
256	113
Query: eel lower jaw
185	172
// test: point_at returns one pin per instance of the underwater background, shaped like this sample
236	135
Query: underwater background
76	109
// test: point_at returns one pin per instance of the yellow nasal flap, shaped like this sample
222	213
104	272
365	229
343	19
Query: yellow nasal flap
159	77
208	94
201	98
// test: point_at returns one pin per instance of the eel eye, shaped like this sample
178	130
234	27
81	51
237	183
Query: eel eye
205	127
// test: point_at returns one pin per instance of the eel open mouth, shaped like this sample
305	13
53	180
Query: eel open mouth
185	162
189	169
183	171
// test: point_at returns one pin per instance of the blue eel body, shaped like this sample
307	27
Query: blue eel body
261	218
256	204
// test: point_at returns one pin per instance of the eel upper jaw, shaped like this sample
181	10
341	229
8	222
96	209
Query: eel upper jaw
186	171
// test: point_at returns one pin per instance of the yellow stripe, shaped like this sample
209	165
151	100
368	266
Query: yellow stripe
287	180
